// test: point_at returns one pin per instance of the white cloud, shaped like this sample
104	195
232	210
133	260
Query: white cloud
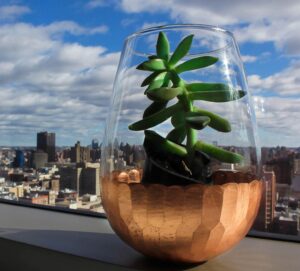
127	21
73	28
12	12
258	21
48	84
249	58
283	83
278	120
92	4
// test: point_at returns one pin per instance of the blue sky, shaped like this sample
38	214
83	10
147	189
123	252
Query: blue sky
58	61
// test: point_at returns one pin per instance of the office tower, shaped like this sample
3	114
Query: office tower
69	178
80	154
46	143
266	214
90	180
95	144
83	180
39	159
54	184
19	160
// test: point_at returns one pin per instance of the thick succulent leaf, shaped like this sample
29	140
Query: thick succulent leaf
161	79
216	122
218	153
195	87
155	84
150	78
196	63
163	46
178	119
165	144
152	65
217	96
175	78
164	93
197	122
177	135
154	108
167	80
156	118
181	50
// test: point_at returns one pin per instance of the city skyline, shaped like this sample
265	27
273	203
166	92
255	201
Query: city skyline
73	180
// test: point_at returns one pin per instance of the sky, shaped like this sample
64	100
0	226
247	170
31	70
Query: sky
58	60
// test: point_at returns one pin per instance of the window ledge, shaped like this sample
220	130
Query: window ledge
44	240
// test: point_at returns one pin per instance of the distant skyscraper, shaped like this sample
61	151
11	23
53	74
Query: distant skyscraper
95	144
46	143
89	181
84	180
39	159
266	214
19	159
80	154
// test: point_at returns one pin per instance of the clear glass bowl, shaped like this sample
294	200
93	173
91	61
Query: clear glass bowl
168	206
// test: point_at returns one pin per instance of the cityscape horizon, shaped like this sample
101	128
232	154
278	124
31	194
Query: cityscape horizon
69	177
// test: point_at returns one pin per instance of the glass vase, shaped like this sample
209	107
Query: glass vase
180	159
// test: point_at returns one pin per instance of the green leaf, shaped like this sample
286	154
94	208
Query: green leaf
164	93
196	63
164	144
155	76
216	122
177	135
175	79
197	122
178	119
153	108
217	96
156	118
150	78
163	46
195	87
155	84
152	65
181	50
218	153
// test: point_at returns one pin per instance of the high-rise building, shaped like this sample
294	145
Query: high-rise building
90	180
39	159
297	166
283	169
95	144
46	143
83	180
266	214
19	160
80	154
54	184
69	178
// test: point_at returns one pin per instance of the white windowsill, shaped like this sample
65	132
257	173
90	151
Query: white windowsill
37	239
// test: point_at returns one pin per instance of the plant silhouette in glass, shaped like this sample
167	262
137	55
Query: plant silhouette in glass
165	84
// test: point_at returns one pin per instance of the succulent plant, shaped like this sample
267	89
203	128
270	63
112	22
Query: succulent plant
165	84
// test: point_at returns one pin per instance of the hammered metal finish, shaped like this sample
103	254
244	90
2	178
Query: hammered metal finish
189	224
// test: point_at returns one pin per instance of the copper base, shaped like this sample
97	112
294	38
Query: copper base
189	224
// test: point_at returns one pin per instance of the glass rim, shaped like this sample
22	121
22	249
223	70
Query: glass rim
205	27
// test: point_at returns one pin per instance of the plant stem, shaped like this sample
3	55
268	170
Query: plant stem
191	133
191	141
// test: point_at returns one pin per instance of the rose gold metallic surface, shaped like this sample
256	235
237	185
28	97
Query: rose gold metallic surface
188	224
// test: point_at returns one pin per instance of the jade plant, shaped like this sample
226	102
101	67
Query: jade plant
165	84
